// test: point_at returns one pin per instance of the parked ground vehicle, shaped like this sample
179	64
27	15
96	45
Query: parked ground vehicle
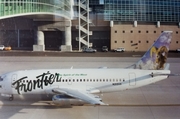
7	48
178	50
89	50
104	49
120	49
2	47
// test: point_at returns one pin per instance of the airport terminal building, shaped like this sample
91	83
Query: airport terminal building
41	25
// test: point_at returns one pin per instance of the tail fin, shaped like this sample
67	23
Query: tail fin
155	58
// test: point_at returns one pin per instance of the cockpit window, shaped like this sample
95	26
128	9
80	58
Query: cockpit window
1	79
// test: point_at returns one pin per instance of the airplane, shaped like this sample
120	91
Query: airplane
81	86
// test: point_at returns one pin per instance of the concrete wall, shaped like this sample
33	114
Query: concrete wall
19	33
140	38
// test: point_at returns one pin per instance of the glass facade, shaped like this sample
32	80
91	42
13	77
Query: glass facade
97	6
15	7
142	10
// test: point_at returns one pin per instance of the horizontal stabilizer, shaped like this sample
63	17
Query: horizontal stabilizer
154	74
174	75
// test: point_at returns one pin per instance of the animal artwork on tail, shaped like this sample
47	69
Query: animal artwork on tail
155	58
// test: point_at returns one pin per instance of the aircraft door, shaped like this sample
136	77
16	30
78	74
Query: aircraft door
132	79
13	79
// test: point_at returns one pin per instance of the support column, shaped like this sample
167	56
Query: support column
111	23
158	24
135	23
67	37
39	41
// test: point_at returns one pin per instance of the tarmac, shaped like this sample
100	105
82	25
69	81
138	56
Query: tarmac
160	100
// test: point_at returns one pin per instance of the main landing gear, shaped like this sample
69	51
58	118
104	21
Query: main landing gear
11	98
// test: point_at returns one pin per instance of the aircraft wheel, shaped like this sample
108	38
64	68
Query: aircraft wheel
11	98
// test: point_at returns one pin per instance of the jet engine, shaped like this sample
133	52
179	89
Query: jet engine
64	100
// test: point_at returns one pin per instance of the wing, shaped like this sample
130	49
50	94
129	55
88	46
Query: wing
85	96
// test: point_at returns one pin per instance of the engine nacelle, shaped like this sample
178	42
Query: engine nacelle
64	100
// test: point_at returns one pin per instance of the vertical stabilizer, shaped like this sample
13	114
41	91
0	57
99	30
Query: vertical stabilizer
155	58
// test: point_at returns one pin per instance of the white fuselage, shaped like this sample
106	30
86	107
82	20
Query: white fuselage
93	80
